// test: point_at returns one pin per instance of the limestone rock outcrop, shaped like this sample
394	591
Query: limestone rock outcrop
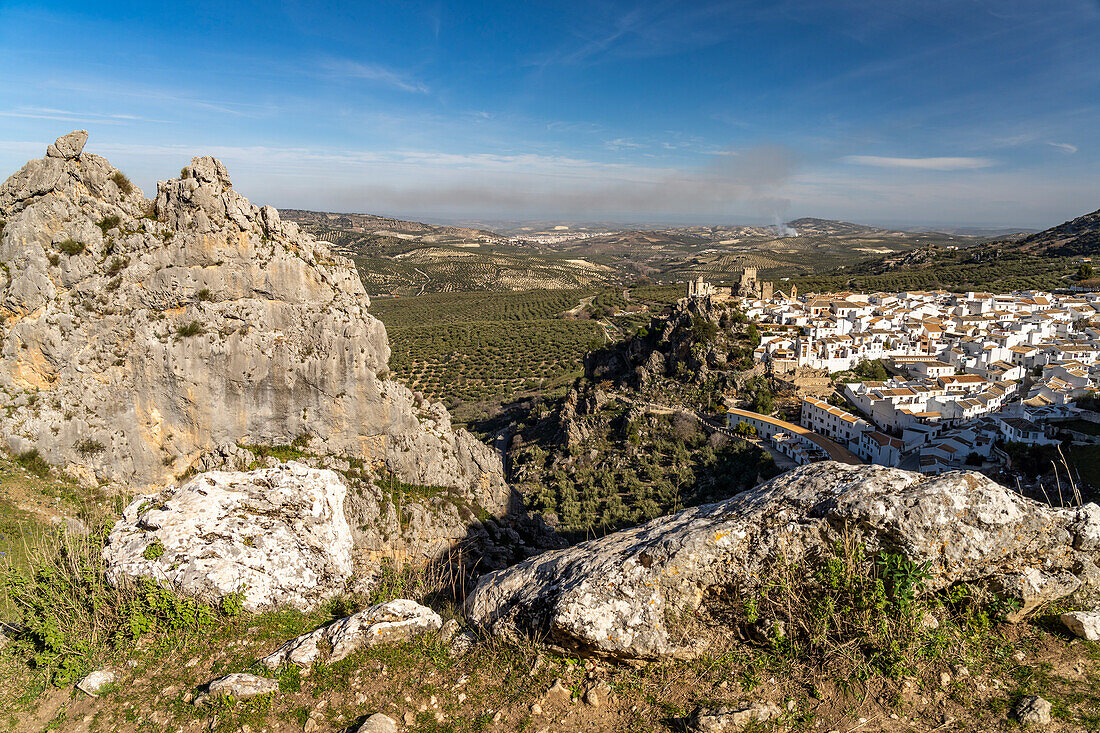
279	536
384	623
615	595
139	335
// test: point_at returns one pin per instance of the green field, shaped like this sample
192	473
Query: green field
952	270
477	350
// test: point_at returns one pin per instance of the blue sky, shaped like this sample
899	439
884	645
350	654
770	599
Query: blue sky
939	112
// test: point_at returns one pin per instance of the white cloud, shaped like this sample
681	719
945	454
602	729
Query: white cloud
1064	147
373	72
931	164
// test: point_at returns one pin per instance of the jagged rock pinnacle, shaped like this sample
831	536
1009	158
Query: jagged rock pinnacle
68	147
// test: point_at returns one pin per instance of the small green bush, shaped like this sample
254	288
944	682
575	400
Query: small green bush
153	551
204	295
89	447
108	223
123	183
34	463
72	617
71	247
194	328
118	264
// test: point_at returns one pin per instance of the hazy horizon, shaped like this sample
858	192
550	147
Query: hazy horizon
931	113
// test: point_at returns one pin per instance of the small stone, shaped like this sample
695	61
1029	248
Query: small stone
1085	624
945	679
310	726
498	716
960	671
97	680
439	716
1032	710
378	723
409	717
199	700
536	709
726	719
592	698
242	686
538	663
558	693
448	631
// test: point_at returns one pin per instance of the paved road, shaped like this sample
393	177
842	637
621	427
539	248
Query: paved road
834	450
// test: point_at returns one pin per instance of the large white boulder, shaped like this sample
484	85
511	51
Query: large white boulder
279	536
614	595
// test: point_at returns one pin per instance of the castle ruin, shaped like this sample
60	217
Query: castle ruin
748	287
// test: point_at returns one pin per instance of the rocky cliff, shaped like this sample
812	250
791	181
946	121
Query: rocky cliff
140	335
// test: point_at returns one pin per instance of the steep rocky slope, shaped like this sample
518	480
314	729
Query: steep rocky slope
139	335
1080	236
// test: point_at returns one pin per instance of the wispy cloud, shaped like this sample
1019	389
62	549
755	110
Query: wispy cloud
623	143
348	69
931	164
47	113
1064	147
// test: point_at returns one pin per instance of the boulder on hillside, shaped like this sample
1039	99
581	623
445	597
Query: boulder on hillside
280	536
384	623
614	595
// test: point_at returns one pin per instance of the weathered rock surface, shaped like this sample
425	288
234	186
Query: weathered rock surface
613	595
378	723
384	623
1033	710
1085	624
140	334
731	718
241	686
280	536
95	681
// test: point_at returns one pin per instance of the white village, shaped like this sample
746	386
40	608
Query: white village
960	375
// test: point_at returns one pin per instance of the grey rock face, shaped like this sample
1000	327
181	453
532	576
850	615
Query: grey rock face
384	623
280	536
140	335
241	686
612	595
